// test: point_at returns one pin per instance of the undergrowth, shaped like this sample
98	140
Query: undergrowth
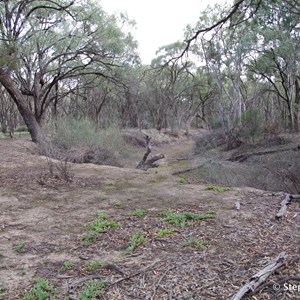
185	218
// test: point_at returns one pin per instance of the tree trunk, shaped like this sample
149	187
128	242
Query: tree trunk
297	105
34	128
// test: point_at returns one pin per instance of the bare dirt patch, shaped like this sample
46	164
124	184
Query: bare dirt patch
43	226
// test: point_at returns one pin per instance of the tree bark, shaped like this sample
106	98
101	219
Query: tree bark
34	128
297	105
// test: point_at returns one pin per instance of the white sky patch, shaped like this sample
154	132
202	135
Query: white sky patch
159	22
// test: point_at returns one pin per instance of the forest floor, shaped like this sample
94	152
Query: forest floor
162	236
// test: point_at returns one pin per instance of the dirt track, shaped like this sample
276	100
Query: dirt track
43	221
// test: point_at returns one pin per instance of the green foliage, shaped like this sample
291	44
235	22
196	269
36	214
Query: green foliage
42	290
94	265
136	239
2	293
185	218
139	213
181	180
103	198
89	238
165	231
20	246
101	223
193	242
251	124
67	265
92	290
217	188
80	141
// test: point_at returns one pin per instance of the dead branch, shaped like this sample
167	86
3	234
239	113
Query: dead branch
261	276
149	267
284	203
145	163
245	156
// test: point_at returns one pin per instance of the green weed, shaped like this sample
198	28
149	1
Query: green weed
91	290
165	231
42	290
101	223
181	180
2	293
119	204
110	183
103	198
94	265
136	239
217	188
185	218
20	246
193	242
139	213
67	265
89	238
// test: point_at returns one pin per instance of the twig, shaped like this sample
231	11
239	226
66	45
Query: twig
136	273
159	281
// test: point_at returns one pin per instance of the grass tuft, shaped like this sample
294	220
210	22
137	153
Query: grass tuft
186	218
92	290
217	188
42	290
136	239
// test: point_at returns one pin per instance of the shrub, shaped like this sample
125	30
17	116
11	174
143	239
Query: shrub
78	141
251	124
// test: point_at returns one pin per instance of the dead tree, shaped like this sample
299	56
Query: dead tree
147	163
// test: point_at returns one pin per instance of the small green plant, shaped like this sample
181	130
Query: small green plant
2	293
92	289
185	218
165	231
103	198
20	246
94	265
181	180
119	204
139	213
23	272
110	183
67	265
193	242
101	223
42	290
89	238
136	239
217	188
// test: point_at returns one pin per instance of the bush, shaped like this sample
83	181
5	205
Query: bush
78	141
251	124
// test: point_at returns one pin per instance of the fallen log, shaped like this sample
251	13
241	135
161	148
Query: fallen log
245	156
284	203
147	163
260	276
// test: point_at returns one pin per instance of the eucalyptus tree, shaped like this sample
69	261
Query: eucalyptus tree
47	46
277	25
182	91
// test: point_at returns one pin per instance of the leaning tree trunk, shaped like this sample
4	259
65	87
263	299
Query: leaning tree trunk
34	128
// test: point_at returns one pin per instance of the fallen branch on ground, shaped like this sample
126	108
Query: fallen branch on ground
147	268
245	156
145	163
284	203
261	276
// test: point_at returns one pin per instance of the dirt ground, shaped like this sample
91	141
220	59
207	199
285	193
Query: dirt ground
43	226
